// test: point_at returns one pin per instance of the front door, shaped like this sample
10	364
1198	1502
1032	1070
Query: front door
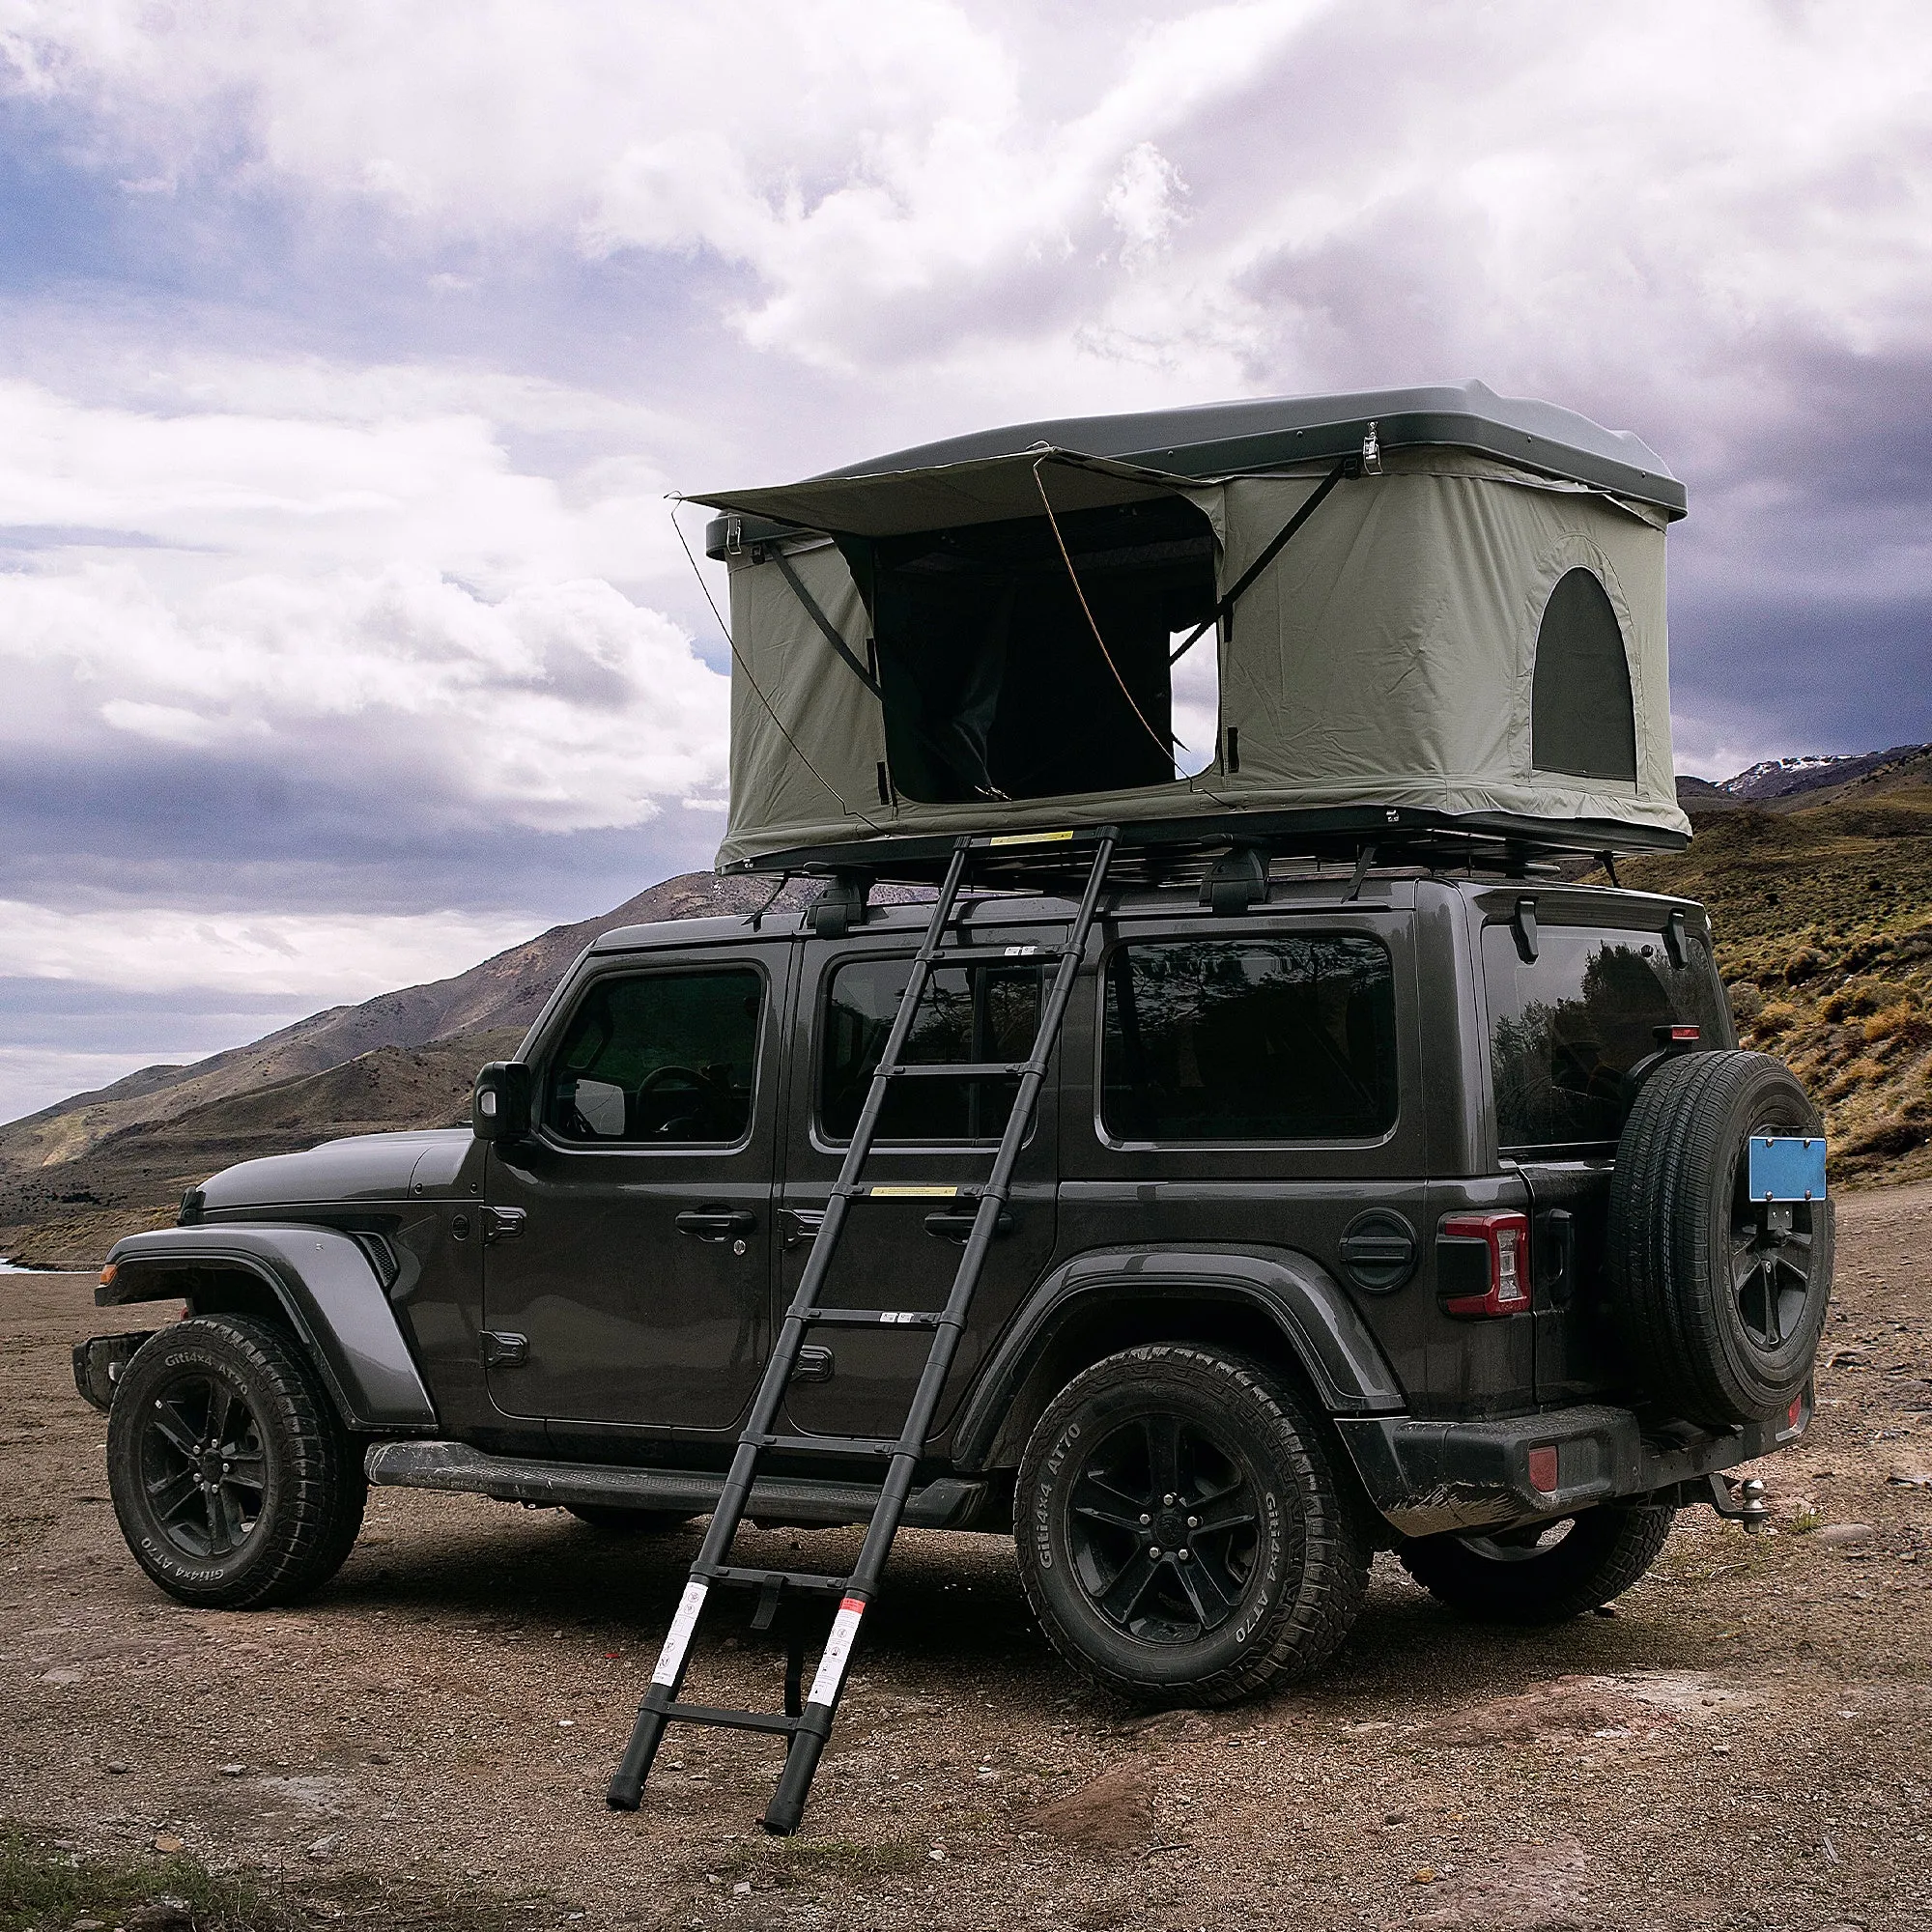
628	1269
901	1250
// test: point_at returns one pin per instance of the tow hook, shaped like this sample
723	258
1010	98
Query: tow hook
1747	1504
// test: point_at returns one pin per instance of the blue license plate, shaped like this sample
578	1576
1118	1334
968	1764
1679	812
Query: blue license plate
1785	1168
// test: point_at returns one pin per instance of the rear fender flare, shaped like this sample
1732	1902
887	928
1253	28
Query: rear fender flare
327	1288
1344	1364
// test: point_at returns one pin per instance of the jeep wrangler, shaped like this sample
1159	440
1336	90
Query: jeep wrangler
1418	1206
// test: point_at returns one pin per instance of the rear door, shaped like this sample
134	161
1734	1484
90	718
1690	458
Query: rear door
902	1249
1576	995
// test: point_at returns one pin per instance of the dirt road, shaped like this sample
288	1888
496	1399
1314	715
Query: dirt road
1746	1742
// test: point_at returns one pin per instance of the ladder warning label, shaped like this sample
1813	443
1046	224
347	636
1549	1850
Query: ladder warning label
677	1640
838	1652
886	1191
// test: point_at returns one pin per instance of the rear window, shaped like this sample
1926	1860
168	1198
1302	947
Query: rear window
1566	1027
1250	1039
972	1013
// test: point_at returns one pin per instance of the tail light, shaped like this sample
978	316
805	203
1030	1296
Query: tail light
1482	1264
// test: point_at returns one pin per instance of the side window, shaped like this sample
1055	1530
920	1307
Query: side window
1249	1039
1566	1027
659	1059
1581	719
973	1014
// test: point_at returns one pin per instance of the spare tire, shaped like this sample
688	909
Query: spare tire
1721	1304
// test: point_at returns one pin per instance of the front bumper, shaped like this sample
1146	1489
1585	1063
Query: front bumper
1429	1478
98	1364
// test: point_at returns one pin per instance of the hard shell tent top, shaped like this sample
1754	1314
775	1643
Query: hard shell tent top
1436	612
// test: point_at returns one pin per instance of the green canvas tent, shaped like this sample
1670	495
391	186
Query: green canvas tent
1440	611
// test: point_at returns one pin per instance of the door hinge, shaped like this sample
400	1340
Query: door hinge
504	1352
501	1224
814	1365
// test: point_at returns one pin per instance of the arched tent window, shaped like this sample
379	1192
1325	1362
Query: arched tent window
1582	721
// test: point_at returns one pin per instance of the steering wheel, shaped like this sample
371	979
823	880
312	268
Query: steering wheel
687	1076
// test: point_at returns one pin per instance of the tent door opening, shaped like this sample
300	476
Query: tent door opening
991	679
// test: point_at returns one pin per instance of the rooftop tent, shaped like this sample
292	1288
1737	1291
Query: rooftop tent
1437	606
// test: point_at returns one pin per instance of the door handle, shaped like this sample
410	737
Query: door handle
715	1224
502	1224
957	1226
814	1365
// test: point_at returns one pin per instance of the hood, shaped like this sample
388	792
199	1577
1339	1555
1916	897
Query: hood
365	1166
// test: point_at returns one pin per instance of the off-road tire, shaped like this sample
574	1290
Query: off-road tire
1678	1249
615	1520
311	1486
1494	1580
1306	1572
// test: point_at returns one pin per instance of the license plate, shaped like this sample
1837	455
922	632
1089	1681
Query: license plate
1786	1168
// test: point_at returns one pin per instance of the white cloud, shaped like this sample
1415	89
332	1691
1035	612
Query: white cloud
385	600
322	959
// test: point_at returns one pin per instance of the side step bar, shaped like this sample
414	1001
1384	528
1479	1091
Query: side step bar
948	1503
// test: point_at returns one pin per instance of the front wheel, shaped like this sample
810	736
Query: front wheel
1182	1535
1544	1572
235	1483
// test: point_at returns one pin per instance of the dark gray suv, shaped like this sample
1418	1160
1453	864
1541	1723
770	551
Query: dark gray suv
1418	1209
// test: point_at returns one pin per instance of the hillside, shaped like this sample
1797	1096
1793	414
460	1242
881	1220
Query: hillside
76	1175
1822	904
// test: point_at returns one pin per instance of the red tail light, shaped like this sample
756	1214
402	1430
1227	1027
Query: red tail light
1491	1278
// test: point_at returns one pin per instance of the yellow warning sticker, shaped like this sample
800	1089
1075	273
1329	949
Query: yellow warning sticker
1029	838
884	1191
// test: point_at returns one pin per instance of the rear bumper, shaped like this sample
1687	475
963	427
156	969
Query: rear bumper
1431	1477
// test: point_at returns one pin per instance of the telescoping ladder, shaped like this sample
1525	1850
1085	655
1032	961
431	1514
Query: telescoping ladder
808	1723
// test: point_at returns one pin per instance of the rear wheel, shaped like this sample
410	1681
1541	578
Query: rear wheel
1182	1535
615	1521
235	1483
1544	1572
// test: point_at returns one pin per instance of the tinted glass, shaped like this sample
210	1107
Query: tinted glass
661	1058
969	1014
1250	1039
1566	1027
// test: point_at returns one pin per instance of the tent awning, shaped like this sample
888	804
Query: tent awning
990	490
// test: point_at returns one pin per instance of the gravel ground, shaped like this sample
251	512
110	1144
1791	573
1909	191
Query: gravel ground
1743	1744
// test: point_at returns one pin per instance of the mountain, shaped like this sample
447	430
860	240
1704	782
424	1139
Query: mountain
76	1175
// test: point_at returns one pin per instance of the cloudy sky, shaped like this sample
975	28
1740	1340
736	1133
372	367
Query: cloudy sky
348	349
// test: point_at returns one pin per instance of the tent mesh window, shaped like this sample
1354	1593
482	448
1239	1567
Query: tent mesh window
1581	722
993	682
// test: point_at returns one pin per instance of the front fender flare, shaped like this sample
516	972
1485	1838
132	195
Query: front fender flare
1343	1361
326	1287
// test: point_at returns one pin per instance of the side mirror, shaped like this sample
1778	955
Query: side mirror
500	1110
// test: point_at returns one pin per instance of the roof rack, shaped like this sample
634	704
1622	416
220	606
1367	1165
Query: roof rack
1188	852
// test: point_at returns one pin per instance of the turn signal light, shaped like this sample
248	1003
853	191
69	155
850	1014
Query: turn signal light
1483	1264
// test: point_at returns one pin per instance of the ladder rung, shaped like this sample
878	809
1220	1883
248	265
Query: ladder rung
828	1445
808	1582
732	1721
992	954
956	1069
872	1318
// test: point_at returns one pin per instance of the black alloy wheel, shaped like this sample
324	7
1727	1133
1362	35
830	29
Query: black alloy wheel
1545	1572
202	1464
1773	1258
1165	1528
234	1479
1183	1535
